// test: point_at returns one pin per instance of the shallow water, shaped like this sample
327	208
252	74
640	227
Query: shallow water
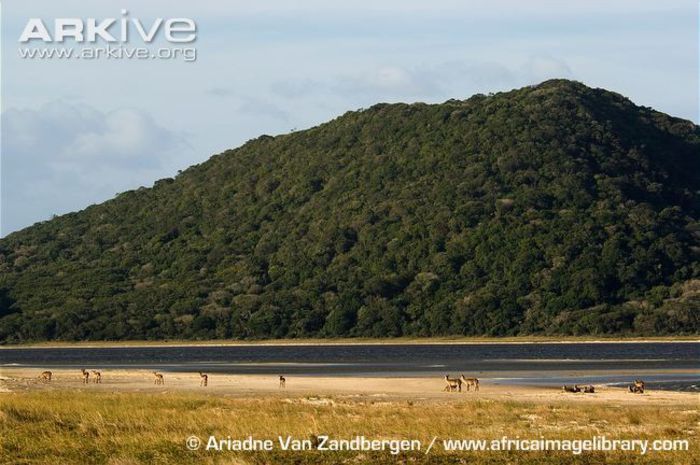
687	382
537	363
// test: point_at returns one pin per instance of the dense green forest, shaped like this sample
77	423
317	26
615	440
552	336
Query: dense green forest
552	209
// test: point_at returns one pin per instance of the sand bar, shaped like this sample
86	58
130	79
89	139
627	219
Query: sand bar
316	387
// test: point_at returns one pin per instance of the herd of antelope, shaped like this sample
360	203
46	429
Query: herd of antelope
455	384
159	379
96	376
576	388
451	384
636	388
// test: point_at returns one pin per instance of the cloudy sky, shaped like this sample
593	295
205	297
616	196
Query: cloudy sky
78	132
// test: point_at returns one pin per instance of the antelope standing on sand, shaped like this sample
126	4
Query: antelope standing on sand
86	376
45	376
470	382
203	379
96	377
283	382
452	384
158	378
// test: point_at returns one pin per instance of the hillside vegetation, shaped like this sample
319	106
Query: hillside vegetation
552	209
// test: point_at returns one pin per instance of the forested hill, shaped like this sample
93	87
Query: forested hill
552	209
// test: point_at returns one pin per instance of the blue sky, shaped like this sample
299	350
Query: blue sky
76	133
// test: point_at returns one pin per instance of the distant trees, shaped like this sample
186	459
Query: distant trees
554	209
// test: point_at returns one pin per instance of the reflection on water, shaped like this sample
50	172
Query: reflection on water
541	363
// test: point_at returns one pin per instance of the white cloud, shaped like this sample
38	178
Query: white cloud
542	67
438	82
123	134
63	156
64	132
387	82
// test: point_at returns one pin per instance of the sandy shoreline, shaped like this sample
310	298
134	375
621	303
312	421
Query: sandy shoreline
320	388
348	341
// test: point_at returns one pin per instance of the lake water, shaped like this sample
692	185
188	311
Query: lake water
538	363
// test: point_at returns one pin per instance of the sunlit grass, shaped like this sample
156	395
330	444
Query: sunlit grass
136	428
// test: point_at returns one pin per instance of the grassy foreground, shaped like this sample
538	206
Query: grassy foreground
139	428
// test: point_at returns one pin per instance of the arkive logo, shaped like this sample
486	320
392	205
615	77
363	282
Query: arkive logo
110	30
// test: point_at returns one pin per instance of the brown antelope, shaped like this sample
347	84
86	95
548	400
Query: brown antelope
470	382
96	377
283	382
203	379
45	376
637	386
158	378
574	388
452	384
86	376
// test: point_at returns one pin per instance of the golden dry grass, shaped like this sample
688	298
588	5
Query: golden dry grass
60	427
